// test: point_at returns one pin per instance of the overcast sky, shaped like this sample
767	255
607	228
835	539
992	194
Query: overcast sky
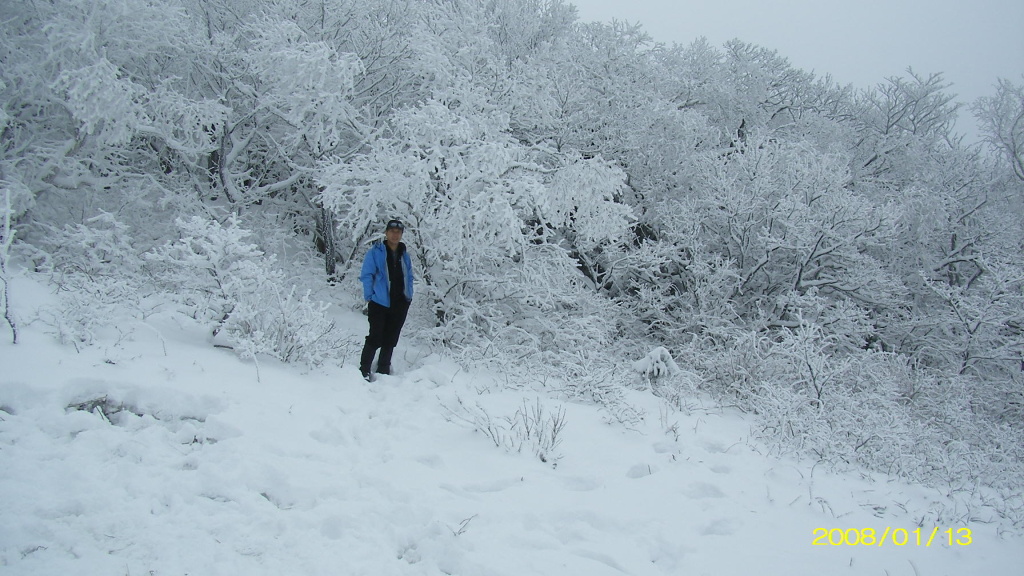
856	41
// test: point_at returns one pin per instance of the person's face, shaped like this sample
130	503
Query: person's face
393	235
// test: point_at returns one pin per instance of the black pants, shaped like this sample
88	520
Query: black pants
385	328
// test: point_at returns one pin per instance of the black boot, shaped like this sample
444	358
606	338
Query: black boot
384	360
366	360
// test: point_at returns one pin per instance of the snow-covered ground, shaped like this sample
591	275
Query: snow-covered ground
213	467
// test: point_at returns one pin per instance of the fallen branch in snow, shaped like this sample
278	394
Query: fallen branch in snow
463	526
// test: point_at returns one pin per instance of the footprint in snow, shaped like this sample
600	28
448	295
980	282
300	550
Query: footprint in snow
492	486
641	470
720	527
703	490
581	484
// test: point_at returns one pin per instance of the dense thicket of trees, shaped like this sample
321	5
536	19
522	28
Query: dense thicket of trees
836	260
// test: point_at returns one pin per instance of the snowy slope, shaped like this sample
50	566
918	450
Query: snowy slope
208	466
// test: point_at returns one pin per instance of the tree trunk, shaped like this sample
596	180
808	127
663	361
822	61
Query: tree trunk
325	241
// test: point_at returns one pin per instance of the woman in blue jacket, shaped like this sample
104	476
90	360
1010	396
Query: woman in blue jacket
387	288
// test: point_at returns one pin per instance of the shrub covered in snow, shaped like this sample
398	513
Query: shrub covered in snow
221	279
871	410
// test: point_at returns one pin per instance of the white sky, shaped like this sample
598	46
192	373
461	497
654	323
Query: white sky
856	41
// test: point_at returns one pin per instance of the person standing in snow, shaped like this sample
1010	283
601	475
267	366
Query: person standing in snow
387	288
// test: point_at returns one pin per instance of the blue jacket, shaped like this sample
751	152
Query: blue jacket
374	275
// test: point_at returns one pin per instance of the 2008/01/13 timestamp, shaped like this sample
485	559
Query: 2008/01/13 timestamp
891	537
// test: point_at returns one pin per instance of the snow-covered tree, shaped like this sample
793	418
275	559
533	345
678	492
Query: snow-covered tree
797	244
7	233
571	190
900	122
1001	118
477	203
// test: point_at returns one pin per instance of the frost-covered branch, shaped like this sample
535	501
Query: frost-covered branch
7	233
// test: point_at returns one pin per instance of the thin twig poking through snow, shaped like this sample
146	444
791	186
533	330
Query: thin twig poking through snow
530	425
463	526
